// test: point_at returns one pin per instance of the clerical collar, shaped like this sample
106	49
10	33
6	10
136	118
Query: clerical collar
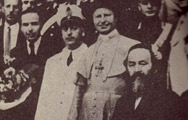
111	35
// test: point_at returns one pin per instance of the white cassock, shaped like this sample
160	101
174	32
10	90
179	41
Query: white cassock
57	89
178	62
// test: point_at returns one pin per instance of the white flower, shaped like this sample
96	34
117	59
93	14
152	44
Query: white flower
9	72
8	59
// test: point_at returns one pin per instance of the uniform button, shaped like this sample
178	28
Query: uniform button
51	34
61	102
63	93
95	99
52	27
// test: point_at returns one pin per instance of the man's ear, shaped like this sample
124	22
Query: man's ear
139	8
83	34
82	31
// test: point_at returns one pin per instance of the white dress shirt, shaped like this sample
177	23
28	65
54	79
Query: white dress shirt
36	46
137	102
57	89
13	34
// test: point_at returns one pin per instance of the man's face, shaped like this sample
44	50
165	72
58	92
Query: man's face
30	26
11	10
147	9
71	35
104	20
28	4
139	65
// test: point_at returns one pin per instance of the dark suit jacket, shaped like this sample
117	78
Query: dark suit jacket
51	43
47	48
20	36
184	106
153	106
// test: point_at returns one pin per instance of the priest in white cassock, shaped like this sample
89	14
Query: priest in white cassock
57	88
101	77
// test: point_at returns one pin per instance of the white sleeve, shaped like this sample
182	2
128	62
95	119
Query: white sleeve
43	107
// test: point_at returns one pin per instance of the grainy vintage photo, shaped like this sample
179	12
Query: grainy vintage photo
93	59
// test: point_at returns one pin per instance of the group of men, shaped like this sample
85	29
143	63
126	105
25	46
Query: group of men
121	76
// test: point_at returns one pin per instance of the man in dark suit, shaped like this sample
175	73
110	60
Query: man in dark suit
145	100
9	30
33	49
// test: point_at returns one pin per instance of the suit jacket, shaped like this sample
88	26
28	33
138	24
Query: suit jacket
51	43
47	48
153	106
20	36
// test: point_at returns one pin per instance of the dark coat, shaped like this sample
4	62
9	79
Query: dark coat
184	106
50	45
20	36
153	106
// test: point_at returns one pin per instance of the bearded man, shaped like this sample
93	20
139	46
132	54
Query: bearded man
144	101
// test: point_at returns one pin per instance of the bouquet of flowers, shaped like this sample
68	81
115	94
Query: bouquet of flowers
13	83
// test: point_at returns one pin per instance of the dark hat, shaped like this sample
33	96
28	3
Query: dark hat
113	5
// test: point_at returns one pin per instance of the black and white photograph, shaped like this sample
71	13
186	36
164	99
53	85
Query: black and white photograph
93	59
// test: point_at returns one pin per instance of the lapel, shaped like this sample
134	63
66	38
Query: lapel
128	107
143	110
41	47
1	39
21	49
20	38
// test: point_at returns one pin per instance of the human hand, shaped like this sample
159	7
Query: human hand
156	52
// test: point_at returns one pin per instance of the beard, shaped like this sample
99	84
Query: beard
139	83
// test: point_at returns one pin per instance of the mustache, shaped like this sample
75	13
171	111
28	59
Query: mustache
137	75
70	38
30	33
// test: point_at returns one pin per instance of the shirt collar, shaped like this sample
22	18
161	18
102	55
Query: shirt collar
76	51
11	26
109	36
36	43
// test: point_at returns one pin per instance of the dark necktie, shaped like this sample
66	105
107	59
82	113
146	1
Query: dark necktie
69	59
31	45
7	42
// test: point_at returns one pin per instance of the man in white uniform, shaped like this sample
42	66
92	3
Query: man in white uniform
58	88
